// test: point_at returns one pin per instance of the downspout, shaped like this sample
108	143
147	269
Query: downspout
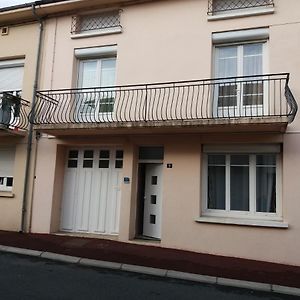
30	133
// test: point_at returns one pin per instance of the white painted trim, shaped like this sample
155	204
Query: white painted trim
6	194
97	33
96	51
240	35
241	13
244	222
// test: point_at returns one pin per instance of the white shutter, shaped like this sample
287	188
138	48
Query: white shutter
7	158
11	75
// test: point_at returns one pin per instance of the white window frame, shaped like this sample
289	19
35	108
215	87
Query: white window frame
233	111
99	61
5	175
251	214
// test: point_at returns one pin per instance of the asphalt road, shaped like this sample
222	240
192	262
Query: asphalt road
23	277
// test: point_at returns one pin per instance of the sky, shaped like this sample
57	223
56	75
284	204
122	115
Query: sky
5	3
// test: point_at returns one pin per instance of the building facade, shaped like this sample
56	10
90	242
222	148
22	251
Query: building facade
18	57
171	123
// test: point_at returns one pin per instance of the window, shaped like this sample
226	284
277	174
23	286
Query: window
11	74
223	6
96	22
242	96
7	159
97	73
241	184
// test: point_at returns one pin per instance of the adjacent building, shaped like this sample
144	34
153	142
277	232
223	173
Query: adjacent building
170	123
18	58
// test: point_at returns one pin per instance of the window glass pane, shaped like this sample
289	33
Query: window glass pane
216	159
104	164
252	49
253	59
119	164
216	187
266	189
88	154
154	180
227	61
239	185
73	154
87	163
104	154
9	181
151	153
89	74
239	160
266	160
72	163
108	70
119	154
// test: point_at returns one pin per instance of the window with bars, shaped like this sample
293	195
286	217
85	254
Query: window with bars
219	6
95	22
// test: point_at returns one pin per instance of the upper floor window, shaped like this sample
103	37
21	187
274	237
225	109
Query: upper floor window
97	73
242	93
102	22
11	75
224	6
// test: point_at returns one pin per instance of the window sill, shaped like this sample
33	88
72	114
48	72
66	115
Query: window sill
242	222
97	33
241	14
4	194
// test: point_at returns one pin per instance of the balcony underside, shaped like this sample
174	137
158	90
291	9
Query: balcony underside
265	124
4	131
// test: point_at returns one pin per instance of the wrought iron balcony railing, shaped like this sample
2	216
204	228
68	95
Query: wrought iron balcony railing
86	23
219	6
249	97
13	111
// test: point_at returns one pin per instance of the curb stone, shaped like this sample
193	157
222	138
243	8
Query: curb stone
144	270
20	251
100	263
285	290
245	284
61	257
154	271
191	277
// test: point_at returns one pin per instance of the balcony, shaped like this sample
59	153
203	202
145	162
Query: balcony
250	103
13	114
223	6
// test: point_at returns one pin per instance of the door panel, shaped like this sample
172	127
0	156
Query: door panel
91	196
153	201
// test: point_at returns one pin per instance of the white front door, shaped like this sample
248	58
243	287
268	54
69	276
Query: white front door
91	195
153	201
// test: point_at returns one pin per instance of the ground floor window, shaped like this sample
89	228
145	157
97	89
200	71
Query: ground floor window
242	184
7	158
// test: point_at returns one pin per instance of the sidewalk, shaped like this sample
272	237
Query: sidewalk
157	257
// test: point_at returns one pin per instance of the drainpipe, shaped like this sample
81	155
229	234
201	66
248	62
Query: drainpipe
30	133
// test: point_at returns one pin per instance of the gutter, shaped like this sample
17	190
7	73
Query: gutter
31	118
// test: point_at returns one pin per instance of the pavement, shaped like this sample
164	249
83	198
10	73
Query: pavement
157	261
34	278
